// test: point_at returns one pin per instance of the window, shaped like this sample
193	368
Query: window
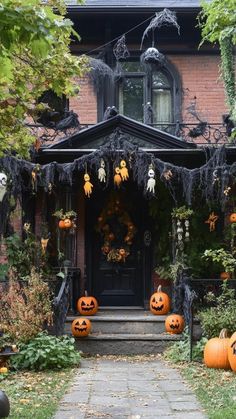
139	86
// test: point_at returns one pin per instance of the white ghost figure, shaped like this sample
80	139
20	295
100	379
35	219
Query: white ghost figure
102	172
151	181
3	185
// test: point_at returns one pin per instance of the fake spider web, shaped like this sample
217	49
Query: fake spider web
164	18
98	71
152	56
120	49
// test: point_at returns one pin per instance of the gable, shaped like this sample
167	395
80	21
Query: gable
139	134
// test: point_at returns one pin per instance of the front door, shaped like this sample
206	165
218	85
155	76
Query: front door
115	249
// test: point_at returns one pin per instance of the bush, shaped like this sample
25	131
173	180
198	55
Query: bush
47	352
222	315
180	351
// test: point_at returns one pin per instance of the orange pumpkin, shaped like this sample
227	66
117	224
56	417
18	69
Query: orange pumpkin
159	302
61	224
67	223
232	217
232	351
87	305
216	351
81	327
174	323
225	275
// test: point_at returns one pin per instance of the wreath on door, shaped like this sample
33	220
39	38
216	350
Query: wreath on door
117	231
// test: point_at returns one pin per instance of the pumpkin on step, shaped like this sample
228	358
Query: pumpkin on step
159	302
174	323
216	352
232	352
87	305
81	327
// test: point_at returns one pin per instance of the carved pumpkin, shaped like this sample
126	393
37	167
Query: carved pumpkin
232	217
81	327
67	223
216	351
174	323
232	351
159	302
87	305
4	405
225	275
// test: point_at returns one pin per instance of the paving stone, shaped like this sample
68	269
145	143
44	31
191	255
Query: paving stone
104	388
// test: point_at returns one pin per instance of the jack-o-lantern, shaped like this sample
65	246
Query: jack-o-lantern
216	351
159	302
232	351
174	324
67	223
232	217
81	327
87	305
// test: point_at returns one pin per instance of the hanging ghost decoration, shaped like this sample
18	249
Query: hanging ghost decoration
3	185
151	181
117	177
88	185
123	170
102	172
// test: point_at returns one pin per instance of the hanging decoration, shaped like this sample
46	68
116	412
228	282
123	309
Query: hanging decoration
167	174
3	185
123	170
98	71
117	231
153	56
151	181
181	223
117	177
164	18
212	221
88	185
102	172
34	177
120	49
44	244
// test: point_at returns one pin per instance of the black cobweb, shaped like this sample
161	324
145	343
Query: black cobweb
120	49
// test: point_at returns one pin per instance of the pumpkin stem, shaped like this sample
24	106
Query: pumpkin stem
86	293
159	288
223	334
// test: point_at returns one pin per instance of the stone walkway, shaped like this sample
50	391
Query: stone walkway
128	389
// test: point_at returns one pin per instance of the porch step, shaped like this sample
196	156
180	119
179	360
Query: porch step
124	331
123	322
125	344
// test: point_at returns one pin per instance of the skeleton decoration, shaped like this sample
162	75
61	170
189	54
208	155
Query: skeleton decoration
3	185
88	185
227	191
212	221
167	174
123	170
117	177
151	181
102	172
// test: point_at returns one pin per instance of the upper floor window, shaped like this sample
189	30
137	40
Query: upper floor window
148	94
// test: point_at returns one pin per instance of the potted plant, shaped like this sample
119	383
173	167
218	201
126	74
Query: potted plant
224	258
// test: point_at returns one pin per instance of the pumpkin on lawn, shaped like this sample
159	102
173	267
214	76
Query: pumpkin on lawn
232	351
81	327
174	323
232	217
216	351
159	302
87	305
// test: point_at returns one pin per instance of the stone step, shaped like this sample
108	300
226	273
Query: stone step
125	344
121	322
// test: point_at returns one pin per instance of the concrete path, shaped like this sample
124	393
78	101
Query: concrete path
128	388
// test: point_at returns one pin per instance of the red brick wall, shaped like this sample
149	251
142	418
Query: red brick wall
201	83
85	104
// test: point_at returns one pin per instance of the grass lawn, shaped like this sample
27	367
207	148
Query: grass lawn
215	389
35	394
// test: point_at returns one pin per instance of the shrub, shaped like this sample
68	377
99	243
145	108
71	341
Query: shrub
222	315
180	351
25	308
47	352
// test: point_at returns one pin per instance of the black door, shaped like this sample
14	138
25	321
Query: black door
114	246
